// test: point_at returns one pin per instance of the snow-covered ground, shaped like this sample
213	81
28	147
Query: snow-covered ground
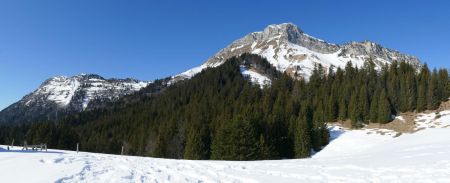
352	156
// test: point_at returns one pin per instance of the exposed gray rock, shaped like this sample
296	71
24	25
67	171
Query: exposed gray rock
377	51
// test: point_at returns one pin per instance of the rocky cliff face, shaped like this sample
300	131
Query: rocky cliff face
291	50
62	95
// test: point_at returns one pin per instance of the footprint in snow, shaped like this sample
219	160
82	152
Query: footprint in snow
58	160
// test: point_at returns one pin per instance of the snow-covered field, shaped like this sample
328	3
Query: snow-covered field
352	156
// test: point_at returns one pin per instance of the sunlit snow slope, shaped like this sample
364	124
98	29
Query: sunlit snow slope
352	156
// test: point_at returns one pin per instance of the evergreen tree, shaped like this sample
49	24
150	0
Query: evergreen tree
354	111
342	109
331	108
443	80
444	84
433	94
407	87
302	135
384	108
393	85
374	107
411	92
422	88
264	149
236	141
197	143
363	104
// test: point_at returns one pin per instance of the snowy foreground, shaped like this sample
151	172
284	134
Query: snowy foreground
353	156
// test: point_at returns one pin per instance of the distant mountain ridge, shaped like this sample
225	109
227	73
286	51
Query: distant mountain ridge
63	95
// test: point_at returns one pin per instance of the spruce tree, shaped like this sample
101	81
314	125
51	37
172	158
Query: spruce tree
342	109
443	84
353	110
264	149
411	92
302	136
422	88
384	108
363	104
331	108
197	143
433	94
245	139
374	107
236	141
393	85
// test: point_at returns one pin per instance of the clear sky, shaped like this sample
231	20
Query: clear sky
150	39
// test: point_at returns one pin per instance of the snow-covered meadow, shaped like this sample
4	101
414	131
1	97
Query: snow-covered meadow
352	156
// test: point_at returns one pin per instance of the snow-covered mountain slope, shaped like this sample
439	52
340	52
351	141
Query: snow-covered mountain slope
64	90
364	155
255	76
68	94
291	50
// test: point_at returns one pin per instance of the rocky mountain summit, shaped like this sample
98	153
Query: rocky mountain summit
63	95
291	50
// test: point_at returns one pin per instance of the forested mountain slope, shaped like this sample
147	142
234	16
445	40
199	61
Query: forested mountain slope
221	114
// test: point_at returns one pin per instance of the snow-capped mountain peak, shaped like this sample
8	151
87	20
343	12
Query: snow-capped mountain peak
291	50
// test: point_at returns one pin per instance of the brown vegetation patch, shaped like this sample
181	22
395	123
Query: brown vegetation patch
444	106
297	58
273	43
407	125
291	72
402	126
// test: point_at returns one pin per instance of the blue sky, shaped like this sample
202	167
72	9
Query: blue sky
153	39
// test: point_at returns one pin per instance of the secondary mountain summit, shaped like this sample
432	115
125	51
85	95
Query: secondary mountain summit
63	95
